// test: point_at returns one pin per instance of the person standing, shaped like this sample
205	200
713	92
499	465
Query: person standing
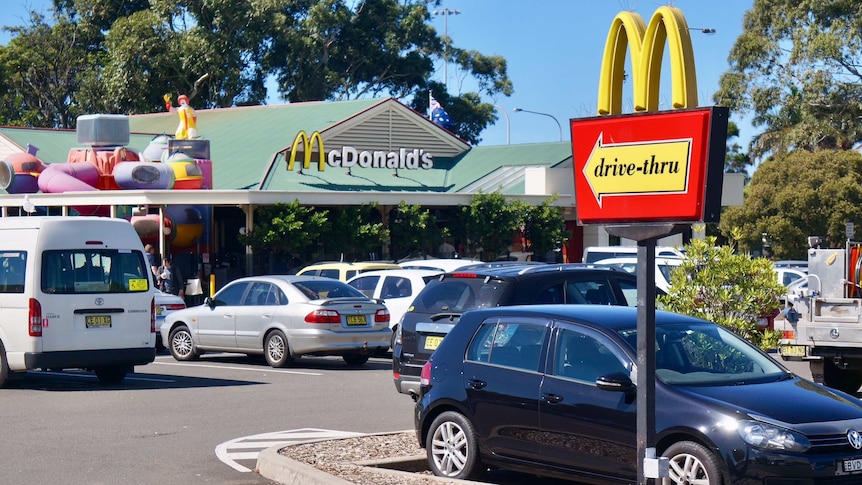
170	278
150	254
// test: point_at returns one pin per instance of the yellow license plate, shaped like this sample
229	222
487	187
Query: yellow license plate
97	321
792	350
431	343
356	319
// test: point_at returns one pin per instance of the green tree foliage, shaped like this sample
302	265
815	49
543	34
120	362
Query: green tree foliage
286	229
490	224
354	233
544	227
221	52
795	68
735	160
44	66
414	231
797	195
730	289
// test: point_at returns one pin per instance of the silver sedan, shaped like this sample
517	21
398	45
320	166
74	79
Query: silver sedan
283	318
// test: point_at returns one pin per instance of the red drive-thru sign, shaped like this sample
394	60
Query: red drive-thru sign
650	167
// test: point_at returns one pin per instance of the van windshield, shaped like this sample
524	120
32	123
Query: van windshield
94	271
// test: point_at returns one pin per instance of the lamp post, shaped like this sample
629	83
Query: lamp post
501	110
544	114
445	12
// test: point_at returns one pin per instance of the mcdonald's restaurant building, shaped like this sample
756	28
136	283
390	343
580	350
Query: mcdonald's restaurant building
326	155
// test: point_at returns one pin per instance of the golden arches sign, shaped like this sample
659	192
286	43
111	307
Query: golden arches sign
646	43
307	143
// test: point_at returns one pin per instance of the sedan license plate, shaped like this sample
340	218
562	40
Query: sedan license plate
356	320
97	321
792	350
852	466
431	343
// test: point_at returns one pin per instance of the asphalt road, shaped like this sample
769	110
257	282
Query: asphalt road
174	422
164	423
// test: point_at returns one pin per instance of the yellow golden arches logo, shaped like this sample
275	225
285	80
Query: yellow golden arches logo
646	43
307	143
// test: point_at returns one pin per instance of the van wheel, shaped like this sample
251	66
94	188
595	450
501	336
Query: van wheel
4	366
276	350
182	345
111	375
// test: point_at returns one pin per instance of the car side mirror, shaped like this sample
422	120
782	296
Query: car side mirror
208	301
617	382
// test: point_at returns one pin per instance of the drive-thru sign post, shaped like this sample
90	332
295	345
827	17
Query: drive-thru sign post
648	174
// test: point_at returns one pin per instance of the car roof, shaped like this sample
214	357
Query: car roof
444	264
284	277
634	259
520	270
352	265
398	272
612	317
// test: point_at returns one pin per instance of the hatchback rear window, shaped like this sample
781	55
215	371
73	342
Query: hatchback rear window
94	271
459	295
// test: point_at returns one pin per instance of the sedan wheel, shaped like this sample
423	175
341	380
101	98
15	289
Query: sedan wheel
182	345
276	350
355	359
451	447
692	464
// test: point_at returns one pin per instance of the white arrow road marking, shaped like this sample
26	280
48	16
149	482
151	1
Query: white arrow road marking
238	449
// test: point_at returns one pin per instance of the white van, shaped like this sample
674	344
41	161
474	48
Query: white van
75	292
598	253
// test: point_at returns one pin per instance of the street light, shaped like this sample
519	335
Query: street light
544	114
705	30
445	12
501	110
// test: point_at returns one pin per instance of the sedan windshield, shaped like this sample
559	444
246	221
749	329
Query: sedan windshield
698	355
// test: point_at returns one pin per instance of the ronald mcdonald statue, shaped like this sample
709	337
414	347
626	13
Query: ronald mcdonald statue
187	129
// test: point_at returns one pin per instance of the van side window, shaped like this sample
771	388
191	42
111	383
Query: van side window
94	271
12	265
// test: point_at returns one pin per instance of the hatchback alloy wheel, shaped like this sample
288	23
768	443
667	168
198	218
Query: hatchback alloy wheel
692	464
451	447
276	350
182	345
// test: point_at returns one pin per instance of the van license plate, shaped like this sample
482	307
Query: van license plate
431	343
356	320
98	321
792	350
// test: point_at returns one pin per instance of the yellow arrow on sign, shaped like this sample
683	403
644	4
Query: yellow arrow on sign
638	168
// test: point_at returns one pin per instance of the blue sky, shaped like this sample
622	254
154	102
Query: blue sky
553	49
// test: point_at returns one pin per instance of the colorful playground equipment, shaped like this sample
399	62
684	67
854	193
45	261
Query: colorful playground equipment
105	162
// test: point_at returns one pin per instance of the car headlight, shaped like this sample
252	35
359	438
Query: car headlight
768	437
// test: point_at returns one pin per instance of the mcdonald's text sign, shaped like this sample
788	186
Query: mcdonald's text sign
650	167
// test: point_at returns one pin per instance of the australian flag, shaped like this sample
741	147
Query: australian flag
439	115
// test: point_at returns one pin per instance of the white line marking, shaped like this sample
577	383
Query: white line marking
226	455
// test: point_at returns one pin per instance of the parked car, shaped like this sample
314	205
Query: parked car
344	271
283	318
166	304
786	276
551	390
441	264
438	307
396	287
597	253
629	264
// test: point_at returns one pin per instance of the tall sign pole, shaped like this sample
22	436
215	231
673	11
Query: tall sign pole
648	174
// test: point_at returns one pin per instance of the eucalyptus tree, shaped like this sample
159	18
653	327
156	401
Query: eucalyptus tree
795	69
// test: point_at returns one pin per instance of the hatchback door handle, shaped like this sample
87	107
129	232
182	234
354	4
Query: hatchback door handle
476	384
552	398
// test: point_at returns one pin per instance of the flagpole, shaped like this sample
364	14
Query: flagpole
430	96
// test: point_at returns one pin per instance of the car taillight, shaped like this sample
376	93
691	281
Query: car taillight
425	375
463	275
382	316
788	334
174	306
153	315
323	316
34	327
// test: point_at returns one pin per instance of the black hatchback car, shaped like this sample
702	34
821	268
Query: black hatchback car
550	390
437	308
